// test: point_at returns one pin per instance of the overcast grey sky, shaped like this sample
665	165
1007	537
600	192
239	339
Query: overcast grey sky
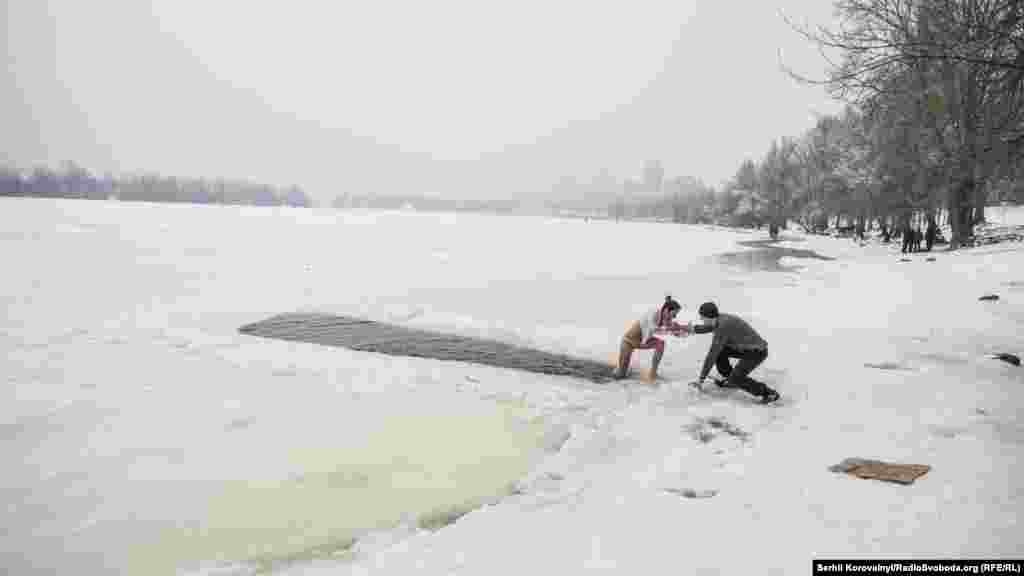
466	98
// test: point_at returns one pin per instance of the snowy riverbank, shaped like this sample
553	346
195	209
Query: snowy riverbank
139	413
610	497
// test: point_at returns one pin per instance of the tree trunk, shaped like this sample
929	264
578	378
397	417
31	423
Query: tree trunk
968	154
980	197
986	162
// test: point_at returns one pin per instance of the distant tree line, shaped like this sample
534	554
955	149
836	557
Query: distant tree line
934	124
431	204
687	200
73	181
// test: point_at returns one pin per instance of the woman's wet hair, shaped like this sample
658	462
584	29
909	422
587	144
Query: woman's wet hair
671	304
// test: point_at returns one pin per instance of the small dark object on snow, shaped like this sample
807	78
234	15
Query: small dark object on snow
1006	357
878	470
904	259
989	297
930	259
691	493
887	366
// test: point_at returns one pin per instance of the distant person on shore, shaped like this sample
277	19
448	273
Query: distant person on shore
908	238
930	234
642	335
733	338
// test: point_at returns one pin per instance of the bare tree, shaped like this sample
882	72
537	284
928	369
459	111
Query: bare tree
955	65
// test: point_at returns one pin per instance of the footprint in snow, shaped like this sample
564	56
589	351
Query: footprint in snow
692	492
705	430
238	424
888	366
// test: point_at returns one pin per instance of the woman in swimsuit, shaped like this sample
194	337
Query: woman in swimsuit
642	335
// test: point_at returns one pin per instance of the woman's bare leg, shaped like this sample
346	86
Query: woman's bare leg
625	355
659	350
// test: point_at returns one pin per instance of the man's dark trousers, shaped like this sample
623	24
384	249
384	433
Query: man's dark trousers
737	377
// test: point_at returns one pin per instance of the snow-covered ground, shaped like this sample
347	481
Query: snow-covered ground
146	435
1005	214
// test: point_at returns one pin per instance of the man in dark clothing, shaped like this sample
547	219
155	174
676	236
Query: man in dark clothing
930	233
908	238
733	338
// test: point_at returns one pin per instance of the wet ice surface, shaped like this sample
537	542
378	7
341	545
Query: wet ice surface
766	255
151	434
383	338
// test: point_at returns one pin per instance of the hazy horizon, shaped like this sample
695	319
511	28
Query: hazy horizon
453	100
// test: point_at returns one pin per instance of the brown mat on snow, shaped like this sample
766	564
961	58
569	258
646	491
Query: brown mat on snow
878	470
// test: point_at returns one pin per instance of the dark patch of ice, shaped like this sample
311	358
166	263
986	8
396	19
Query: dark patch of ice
766	256
370	336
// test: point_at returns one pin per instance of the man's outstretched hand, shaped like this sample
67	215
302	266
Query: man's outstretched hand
681	330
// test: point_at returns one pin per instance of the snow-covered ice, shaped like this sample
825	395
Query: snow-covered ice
145	435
